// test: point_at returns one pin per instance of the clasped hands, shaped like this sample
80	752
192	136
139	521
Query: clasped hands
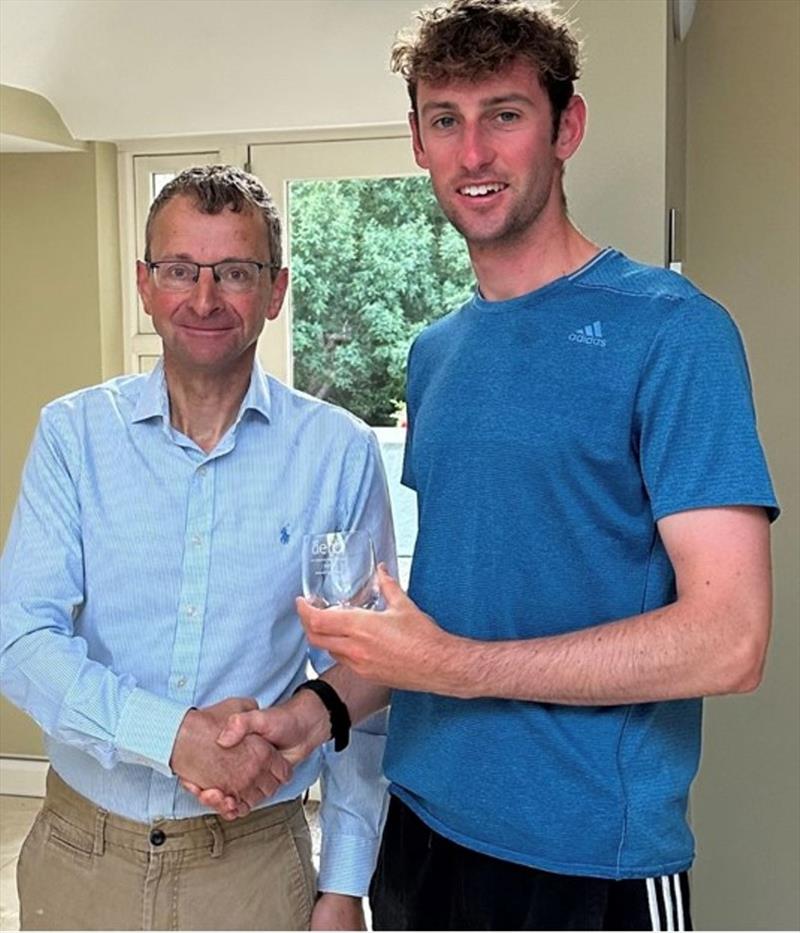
230	765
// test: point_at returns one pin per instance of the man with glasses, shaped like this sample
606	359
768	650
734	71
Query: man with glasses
148	586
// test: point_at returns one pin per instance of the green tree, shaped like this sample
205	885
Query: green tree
373	261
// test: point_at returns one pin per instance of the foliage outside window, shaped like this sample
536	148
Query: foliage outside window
373	262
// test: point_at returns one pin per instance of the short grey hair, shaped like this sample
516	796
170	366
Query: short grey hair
215	187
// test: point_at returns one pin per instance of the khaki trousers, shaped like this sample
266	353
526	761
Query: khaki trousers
83	868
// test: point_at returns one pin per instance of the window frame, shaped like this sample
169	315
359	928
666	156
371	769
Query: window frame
138	158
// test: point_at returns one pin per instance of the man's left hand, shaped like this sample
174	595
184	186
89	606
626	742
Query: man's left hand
399	647
338	912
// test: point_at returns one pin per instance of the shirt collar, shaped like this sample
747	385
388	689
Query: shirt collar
258	396
154	401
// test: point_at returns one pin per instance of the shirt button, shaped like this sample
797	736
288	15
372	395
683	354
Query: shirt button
158	837
201	472
197	540
181	682
191	610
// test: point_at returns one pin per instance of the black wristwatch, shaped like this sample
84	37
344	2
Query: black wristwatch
340	718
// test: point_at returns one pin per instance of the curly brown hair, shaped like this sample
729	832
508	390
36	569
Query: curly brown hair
215	187
469	39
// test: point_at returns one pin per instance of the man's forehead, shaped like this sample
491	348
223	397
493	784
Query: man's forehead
185	212
182	220
518	79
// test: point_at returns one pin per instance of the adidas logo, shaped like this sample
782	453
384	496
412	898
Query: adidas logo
591	334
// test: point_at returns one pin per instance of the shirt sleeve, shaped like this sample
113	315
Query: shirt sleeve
354	790
45	668
695	419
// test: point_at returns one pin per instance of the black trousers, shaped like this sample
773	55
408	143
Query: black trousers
426	882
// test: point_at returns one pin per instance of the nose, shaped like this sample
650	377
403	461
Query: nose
477	152
205	298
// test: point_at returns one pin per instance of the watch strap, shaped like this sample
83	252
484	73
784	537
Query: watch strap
339	716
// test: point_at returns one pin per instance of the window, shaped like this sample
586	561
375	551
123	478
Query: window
372	261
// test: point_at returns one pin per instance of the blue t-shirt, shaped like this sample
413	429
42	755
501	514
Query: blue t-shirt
547	436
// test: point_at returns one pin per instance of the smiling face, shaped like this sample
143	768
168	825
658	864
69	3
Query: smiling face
206	330
489	148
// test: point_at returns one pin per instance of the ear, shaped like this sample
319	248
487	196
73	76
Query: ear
571	128
416	141
277	295
144	283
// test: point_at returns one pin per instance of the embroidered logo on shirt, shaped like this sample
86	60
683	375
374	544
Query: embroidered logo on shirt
285	534
591	334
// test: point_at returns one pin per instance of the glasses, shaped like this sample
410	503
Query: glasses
235	276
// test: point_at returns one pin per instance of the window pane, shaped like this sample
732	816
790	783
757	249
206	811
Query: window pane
373	261
157	182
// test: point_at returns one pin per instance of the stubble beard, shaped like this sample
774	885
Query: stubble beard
515	227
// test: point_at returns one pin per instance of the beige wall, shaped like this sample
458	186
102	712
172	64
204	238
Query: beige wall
59	311
616	200
744	248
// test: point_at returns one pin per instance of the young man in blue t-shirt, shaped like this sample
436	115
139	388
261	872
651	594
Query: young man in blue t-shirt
593	550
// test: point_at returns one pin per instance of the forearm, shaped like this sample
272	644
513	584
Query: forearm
81	702
686	649
361	697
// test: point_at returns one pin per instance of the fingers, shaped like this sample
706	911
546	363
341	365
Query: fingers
236	705
228	807
392	591
320	623
240	725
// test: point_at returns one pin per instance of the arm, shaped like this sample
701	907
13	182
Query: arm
46	665
711	640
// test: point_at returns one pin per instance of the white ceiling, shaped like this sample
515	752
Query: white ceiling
127	69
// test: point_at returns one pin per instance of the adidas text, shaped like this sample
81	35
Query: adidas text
593	341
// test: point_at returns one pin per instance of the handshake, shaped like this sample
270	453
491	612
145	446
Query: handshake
232	755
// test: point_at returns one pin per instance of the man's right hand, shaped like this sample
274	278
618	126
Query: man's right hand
245	773
295	729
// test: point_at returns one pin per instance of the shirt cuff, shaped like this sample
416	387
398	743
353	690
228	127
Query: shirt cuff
347	864
147	728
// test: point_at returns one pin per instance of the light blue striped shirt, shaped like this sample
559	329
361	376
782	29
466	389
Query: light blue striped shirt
142	576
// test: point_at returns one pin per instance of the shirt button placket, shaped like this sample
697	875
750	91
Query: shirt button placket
194	583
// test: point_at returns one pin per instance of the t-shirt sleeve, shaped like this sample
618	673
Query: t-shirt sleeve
407	477
695	421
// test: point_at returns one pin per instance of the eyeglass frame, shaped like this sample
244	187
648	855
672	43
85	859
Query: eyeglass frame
154	264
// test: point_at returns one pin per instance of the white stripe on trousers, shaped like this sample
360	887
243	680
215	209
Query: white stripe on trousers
652	903
672	917
667	903
679	903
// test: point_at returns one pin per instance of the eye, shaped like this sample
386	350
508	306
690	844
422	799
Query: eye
237	273
178	272
444	122
507	116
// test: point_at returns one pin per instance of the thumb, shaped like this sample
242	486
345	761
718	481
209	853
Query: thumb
235	729
391	590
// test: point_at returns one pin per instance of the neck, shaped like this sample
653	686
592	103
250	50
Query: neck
203	405
551	248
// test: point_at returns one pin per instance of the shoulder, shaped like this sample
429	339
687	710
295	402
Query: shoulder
435	337
329	423
655	300
102	399
623	276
